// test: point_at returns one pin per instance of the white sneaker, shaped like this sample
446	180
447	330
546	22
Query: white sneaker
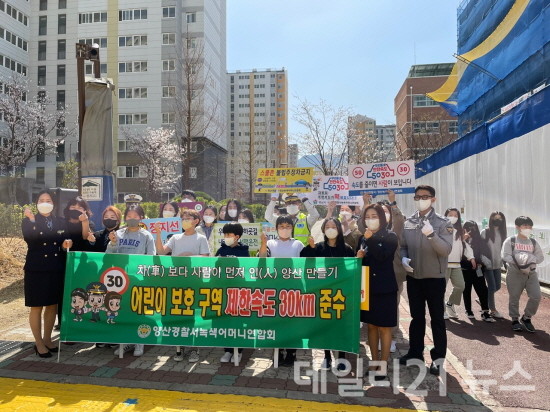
450	309
227	356
239	356
392	347
138	350
125	348
178	357
194	356
496	314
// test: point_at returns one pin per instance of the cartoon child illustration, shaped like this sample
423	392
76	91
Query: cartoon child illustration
79	297
96	297
112	304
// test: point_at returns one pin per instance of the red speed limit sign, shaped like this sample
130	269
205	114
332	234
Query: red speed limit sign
116	280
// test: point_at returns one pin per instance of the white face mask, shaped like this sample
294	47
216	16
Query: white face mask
232	212
388	216
168	213
243	221
186	200
208	219
292	209
331	233
229	240
452	219
372	224
345	215
422	205
44	208
526	232
285	233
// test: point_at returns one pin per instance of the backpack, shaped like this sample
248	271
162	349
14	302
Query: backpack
526	269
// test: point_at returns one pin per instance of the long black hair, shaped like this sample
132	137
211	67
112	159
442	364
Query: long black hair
340	242
239	208
386	204
458	224
493	226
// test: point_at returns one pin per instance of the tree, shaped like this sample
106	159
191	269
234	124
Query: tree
30	127
364	146
158	152
70	174
325	137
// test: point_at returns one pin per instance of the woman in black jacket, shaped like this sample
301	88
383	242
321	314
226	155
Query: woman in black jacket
46	237
334	245
111	219
377	248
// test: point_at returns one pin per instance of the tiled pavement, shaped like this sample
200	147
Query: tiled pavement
255	375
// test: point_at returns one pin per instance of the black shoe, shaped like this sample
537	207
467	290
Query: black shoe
485	316
527	324
289	359
42	355
53	350
516	326
404	359
435	369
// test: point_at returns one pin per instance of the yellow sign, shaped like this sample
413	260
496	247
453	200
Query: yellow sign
365	288
288	180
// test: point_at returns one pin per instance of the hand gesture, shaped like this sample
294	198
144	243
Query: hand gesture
368	234
361	253
274	198
391	195
91	237
466	236
427	229
157	227
331	206
406	262
311	242
29	214
67	244
112	237
367	199
263	238
83	217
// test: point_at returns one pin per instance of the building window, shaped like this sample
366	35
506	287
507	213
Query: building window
192	172
62	24
420	100
168	91
168	118
168	38
191	17
124	146
131	171
168	12
453	127
168	65
61	49
60	99
135	118
41	75
60	152
101	41
191	43
40	175
59	176
129	67
43	5
129	41
60	74
41	152
62	4
193	147
42	50
132	93
133	14
97	17
42	25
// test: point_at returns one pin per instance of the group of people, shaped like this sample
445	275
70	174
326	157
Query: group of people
425	250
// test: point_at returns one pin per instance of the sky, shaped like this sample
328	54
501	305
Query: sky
352	53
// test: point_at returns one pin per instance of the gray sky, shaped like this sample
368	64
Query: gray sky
349	52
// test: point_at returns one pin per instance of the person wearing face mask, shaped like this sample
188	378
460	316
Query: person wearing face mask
169	209
246	216
522	253
188	243
232	247
454	272
222	213
377	250
494	235
302	223
284	246
112	217
425	246
208	220
233	208
334	245
132	240
349	223
188	195
47	239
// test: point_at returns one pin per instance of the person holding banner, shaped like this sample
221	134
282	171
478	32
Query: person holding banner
188	243
302	223
425	246
46	236
132	240
169	209
333	246
377	249
284	246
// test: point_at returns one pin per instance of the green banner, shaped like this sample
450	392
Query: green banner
206	301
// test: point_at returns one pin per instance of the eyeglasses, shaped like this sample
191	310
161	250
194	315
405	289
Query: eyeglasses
425	197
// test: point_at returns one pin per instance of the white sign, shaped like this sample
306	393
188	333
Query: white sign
378	178
92	188
333	188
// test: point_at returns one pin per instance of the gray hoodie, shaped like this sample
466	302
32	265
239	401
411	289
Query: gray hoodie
140	242
524	252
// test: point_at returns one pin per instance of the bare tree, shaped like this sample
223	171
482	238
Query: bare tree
364	146
159	153
30	127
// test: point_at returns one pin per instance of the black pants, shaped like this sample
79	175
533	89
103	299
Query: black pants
429	291
231	350
471	279
341	355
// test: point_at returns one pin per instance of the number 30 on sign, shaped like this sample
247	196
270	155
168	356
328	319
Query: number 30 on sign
116	280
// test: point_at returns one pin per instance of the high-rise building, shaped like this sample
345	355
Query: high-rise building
258	127
385	135
369	142
141	46
422	125
293	155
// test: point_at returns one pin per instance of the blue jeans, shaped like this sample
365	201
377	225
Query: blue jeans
494	282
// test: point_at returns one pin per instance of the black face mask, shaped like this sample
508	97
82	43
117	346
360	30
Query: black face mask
74	214
110	223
